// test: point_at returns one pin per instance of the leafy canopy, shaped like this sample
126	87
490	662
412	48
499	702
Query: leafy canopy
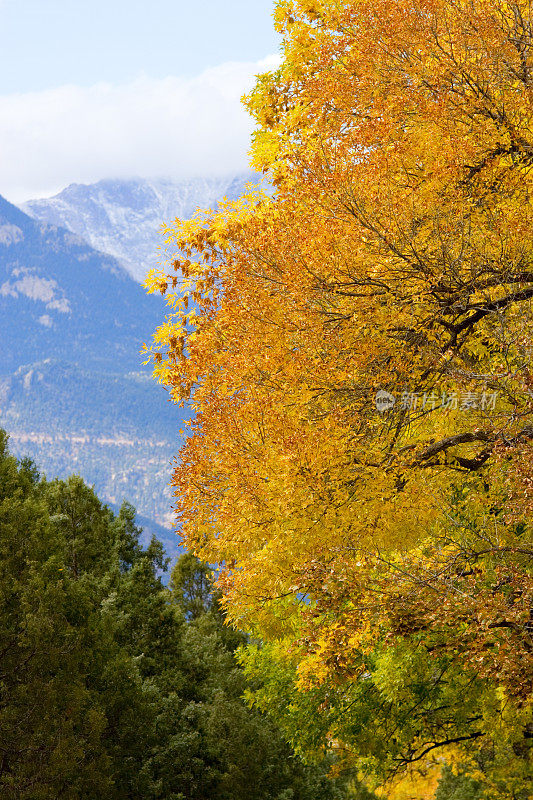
385	548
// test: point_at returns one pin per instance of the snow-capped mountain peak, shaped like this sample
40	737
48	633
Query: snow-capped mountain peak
124	217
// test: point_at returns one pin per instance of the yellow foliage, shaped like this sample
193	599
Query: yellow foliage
394	262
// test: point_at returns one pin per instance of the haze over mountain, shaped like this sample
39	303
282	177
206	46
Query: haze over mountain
124	217
74	394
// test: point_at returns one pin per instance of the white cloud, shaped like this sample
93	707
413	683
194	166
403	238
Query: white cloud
175	127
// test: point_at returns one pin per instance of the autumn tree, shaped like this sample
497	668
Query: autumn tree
357	349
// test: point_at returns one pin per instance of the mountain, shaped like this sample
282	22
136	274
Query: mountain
124	217
74	394
61	298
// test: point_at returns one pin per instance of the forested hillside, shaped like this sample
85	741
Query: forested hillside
74	393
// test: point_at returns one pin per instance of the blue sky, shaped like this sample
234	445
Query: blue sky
113	88
47	43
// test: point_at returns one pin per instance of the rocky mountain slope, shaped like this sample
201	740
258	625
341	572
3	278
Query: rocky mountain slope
74	393
124	217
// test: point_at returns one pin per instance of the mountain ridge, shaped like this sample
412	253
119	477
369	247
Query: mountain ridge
124	217
60	298
74	393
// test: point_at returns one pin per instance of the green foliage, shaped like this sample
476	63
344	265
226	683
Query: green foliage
192	584
458	786
405	697
54	641
112	685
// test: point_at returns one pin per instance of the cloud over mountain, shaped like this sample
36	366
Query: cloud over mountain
177	127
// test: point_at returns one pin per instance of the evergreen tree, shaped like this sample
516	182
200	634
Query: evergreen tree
51	637
111	684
